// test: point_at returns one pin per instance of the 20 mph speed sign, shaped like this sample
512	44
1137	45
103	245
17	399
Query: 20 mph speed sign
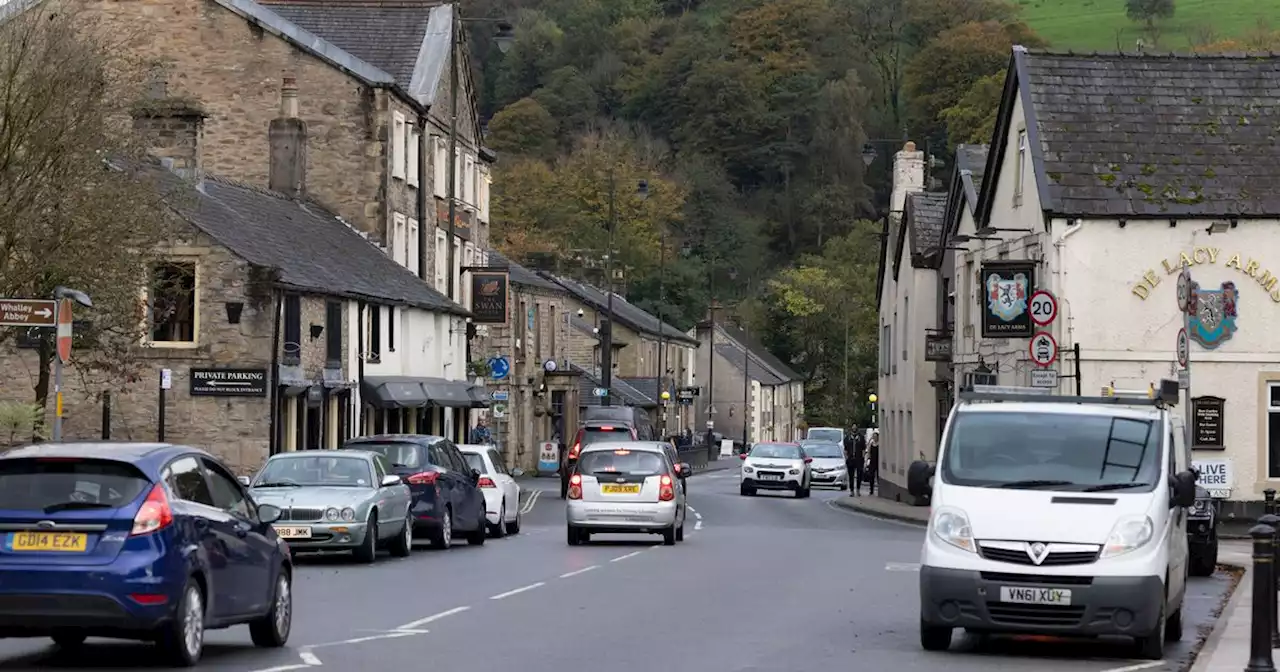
1044	349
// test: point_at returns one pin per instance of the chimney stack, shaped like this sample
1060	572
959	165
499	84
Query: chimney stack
174	128
908	176
287	136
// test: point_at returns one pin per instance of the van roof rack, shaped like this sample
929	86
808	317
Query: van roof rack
1166	395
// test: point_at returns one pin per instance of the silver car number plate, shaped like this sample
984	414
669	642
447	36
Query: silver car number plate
1058	596
770	477
294	531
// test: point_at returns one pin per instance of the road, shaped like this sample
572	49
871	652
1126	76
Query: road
765	584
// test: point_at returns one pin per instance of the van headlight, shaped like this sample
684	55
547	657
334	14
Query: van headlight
1129	534
952	526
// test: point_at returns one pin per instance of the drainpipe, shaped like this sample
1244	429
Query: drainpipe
273	442
423	238
360	361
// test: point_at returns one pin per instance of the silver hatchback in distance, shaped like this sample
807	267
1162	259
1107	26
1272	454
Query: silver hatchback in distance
625	488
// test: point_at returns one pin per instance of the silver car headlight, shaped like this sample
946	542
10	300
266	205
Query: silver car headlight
748	470
332	514
951	525
348	514
793	472
1129	534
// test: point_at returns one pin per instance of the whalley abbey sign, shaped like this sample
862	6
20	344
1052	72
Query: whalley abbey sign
1200	256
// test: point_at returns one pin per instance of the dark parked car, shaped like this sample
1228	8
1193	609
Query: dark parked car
146	541
1202	534
446	497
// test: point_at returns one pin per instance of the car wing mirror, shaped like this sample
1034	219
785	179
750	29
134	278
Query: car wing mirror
390	480
517	472
244	480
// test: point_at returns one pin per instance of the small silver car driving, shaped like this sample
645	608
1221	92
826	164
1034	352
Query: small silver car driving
626	488
337	500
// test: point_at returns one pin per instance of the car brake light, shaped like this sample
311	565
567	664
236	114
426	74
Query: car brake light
148	599
155	513
575	486
485	482
423	478
606	428
573	452
666	492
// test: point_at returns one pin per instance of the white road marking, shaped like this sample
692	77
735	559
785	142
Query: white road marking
632	554
531	501
902	567
414	625
393	634
698	524
284	668
576	572
517	591
309	658
1139	666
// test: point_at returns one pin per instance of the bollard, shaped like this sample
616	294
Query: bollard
1260	659
1269	501
1273	521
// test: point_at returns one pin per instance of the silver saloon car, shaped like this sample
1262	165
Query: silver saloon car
337	500
625	488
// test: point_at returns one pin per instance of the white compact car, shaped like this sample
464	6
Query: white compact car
501	491
1057	515
828	467
776	466
625	488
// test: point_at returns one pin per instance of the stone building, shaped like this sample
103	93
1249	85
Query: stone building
1107	176
538	395
649	355
753	390
253	311
379	77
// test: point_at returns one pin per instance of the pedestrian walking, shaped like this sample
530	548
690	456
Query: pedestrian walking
480	434
873	460
857	461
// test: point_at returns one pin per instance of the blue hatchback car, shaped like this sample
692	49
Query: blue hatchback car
145	541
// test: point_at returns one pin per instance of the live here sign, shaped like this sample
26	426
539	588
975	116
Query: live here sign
27	312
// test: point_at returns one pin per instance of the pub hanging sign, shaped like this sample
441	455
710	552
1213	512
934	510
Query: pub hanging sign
1207	416
937	347
1006	291
490	297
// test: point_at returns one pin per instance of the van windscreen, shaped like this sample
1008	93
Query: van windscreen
1060	451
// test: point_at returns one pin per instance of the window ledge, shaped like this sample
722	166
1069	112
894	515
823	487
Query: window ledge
171	345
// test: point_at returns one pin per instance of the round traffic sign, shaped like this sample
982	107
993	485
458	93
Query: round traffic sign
1184	348
1044	349
1044	308
1184	290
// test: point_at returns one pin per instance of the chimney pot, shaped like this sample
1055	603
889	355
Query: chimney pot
909	147
289	98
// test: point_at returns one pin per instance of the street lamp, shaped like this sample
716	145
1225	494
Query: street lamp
504	36
60	293
606	355
873	399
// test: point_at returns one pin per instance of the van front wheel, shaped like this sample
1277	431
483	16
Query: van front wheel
934	638
1151	646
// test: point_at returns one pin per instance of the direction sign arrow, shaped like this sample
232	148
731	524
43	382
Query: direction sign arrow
27	312
600	392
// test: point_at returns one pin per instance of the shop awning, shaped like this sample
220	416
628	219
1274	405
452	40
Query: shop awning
393	392
480	397
448	393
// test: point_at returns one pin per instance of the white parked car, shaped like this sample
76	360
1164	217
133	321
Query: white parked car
501	491
626	488
776	466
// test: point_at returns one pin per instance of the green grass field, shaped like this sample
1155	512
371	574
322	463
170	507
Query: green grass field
1100	25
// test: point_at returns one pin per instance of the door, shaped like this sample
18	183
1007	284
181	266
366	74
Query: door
220	547
448	480
385	500
253	568
469	500
400	496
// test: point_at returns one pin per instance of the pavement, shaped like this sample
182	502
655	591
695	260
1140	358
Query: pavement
762	584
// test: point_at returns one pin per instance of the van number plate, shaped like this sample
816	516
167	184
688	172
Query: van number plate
1059	596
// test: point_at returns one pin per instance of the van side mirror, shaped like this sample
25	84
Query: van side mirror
1184	489
918	476
243	480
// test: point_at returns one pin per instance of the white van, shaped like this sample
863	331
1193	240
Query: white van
1057	515
832	434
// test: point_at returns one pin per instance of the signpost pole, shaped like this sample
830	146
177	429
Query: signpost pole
57	399
1185	303
160	416
1075	356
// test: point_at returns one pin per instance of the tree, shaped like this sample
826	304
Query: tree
1147	11
1262	38
523	127
973	118
73	211
948	68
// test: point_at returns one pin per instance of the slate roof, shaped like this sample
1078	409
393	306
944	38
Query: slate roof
760	356
966	185
649	387
584	327
522	276
622	390
1147	135
400	37
309	248
757	372
925	217
627	314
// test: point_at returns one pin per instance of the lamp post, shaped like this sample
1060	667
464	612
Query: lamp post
62	294
606	355
504	37
873	399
